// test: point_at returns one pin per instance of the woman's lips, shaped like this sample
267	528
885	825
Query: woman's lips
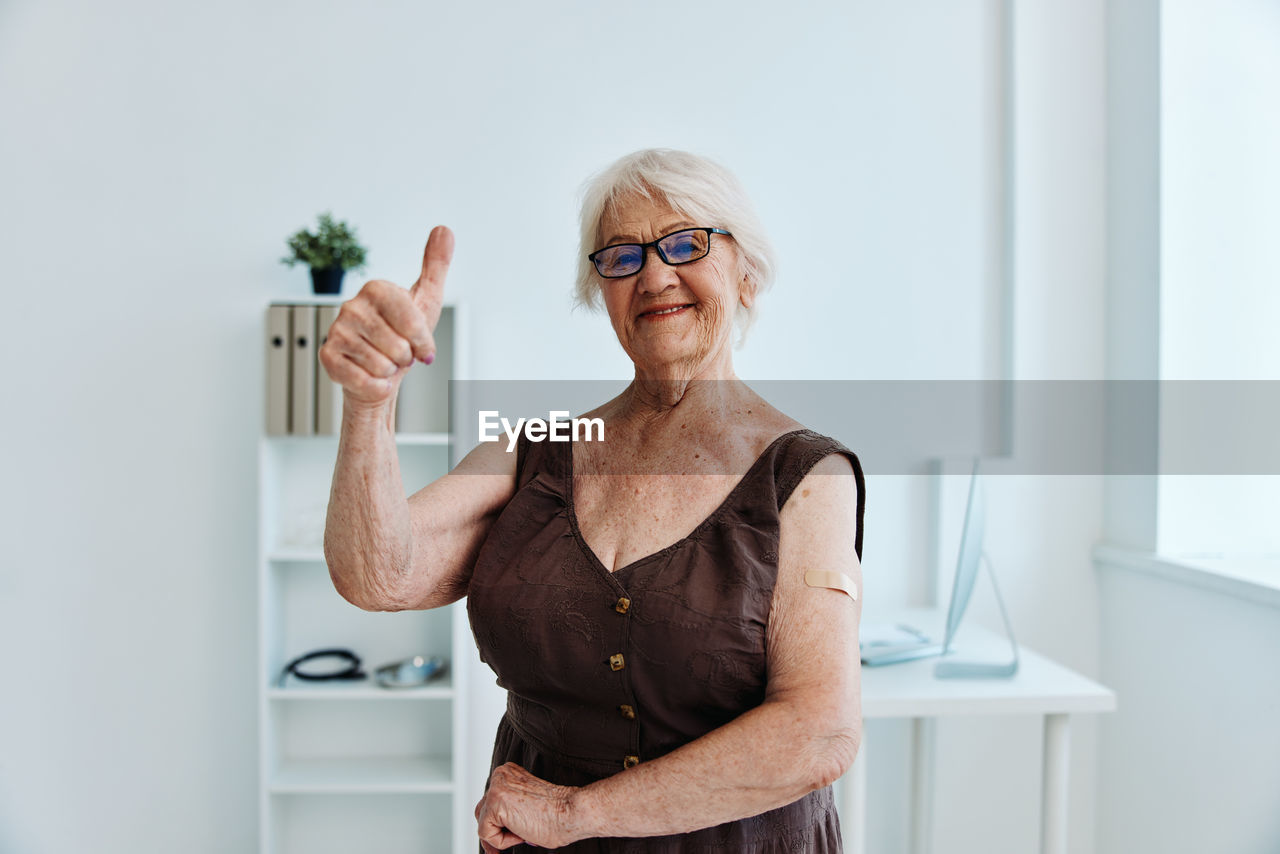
664	313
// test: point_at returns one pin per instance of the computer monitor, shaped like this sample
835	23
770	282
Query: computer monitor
971	554
967	562
975	523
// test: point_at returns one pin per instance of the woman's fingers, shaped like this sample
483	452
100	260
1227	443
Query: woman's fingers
379	333
392	324
405	322
361	385
519	807
367	357
375	338
388	318
494	835
428	291
499	838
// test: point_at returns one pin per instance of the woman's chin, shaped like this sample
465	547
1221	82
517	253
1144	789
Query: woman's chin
669	351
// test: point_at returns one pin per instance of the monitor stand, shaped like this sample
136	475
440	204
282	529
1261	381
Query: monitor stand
982	669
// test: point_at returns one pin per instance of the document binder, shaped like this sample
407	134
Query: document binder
422	404
303	417
278	369
328	393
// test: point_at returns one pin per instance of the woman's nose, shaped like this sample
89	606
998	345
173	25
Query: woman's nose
656	275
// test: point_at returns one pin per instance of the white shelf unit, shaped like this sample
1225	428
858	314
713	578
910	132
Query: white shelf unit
349	765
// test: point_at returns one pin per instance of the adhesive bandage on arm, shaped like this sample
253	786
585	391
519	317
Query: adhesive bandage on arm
833	580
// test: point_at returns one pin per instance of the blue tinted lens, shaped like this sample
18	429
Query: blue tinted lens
619	260
684	246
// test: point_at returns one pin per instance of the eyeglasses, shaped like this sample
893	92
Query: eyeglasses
680	247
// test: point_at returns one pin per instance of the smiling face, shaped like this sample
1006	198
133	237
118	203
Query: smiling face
674	322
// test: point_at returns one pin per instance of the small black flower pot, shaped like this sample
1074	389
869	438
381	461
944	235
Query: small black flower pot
327	280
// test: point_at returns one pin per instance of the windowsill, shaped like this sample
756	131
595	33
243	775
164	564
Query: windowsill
1255	579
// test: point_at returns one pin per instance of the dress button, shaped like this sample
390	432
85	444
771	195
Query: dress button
631	762
617	662
622	605
627	712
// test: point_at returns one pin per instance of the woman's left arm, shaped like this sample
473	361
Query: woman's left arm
803	737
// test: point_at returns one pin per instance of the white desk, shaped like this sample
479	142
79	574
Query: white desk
910	690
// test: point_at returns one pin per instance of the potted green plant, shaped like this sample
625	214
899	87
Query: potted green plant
330	252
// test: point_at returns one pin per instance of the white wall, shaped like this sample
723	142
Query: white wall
1187	761
1220	182
1219	300
1192	662
155	156
1040	528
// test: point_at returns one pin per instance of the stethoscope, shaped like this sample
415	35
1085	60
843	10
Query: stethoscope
350	671
408	673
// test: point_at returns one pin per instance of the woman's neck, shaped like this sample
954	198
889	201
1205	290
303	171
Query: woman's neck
712	393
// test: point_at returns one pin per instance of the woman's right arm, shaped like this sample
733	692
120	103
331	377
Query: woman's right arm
389	553
386	552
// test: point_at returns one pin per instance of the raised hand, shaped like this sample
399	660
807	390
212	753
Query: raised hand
379	333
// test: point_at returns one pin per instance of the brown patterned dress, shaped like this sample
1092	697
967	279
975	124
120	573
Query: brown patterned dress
607	669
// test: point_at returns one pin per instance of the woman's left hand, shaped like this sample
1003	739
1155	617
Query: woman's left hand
519	807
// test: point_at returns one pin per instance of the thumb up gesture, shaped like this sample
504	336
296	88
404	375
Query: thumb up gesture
379	333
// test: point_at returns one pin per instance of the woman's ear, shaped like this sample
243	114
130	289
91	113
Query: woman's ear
747	291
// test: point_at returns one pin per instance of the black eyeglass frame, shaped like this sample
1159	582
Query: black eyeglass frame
656	244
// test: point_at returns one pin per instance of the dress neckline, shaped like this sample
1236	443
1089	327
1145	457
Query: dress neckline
572	513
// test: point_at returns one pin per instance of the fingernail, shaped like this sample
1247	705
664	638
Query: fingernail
431	357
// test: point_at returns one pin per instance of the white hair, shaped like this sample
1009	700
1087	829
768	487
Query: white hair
694	186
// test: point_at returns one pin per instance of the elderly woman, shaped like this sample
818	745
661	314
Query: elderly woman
673	611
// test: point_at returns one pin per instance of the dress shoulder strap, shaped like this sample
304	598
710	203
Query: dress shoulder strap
798	453
532	458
